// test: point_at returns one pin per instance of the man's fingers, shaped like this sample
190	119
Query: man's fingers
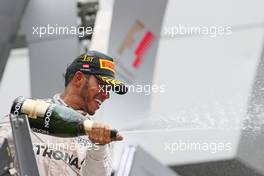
94	135
107	134
118	137
101	133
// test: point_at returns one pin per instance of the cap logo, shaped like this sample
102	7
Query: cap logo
85	65
107	64
87	58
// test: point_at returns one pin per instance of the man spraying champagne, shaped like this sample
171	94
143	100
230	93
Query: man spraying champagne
88	80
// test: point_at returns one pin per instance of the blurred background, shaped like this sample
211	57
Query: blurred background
194	69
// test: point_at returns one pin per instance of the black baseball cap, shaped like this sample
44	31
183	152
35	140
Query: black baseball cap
101	66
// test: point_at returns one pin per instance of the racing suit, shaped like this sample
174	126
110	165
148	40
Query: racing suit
58	156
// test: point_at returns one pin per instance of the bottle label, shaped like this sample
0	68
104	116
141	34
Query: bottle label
48	115
17	105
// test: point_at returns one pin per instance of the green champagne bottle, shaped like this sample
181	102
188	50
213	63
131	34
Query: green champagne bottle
53	119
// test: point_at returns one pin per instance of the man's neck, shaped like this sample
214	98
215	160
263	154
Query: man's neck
71	100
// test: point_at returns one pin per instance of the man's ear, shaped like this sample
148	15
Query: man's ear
78	79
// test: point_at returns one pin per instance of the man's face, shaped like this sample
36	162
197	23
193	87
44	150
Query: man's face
93	94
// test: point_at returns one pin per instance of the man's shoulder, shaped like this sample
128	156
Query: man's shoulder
48	100
5	127
55	99
4	121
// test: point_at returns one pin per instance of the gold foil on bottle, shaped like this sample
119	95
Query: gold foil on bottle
34	108
88	124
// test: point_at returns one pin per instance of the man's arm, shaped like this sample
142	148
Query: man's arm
6	132
98	162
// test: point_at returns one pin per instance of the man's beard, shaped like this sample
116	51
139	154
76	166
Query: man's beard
85	97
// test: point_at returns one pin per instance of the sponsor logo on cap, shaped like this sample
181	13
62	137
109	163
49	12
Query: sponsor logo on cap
85	65
107	64
87	58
